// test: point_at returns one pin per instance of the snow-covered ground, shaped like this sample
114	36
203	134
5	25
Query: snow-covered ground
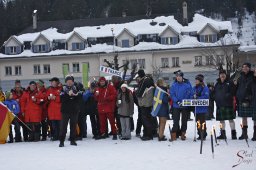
134	154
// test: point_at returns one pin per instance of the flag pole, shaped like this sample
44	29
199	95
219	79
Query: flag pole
22	123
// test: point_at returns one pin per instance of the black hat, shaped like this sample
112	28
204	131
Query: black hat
248	65
17	81
32	82
200	77
222	72
93	84
55	79
141	73
69	77
179	73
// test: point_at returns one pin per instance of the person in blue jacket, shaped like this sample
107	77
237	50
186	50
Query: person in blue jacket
200	91
14	107
181	89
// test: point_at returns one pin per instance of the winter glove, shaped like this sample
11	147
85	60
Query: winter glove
179	103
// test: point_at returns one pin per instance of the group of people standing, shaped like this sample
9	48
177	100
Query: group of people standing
48	111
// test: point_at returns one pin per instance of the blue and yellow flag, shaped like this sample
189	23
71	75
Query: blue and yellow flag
158	100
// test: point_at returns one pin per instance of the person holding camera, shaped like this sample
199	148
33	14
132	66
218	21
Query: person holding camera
125	106
70	109
244	108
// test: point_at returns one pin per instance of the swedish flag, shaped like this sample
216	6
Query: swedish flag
158	100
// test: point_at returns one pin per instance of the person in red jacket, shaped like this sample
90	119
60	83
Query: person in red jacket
106	96
54	107
17	92
32	110
44	104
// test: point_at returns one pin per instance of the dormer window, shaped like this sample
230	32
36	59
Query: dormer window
125	43
211	38
77	46
40	48
13	50
169	40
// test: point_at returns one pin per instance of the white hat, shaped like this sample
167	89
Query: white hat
124	85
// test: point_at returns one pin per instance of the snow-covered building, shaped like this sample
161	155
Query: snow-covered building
156	43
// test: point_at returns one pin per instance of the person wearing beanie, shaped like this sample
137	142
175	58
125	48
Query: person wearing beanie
145	94
31	108
90	108
224	94
14	107
70	107
200	91
54	107
245	110
44	103
181	89
106	95
125	106
17	93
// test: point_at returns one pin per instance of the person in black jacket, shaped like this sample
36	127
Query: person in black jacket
252	93
244	108
145	99
70	97
224	93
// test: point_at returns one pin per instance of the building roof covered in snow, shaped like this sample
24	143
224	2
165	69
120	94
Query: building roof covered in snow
100	28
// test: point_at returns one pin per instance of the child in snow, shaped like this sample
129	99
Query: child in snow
14	107
125	106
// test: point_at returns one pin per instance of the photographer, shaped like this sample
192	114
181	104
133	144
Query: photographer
70	110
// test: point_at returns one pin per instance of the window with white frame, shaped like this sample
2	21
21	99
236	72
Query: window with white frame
125	43
165	62
141	63
8	70
169	40
198	61
175	62
37	69
13	50
47	69
211	38
17	70
220	59
42	48
209	60
76	68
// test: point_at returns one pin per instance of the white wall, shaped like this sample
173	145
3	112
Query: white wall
207	30
125	36
169	33
27	66
12	43
74	39
40	41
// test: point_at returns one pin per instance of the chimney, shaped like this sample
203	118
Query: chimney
124	14
185	13
34	16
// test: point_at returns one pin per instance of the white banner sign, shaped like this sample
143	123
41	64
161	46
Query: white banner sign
110	71
195	102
